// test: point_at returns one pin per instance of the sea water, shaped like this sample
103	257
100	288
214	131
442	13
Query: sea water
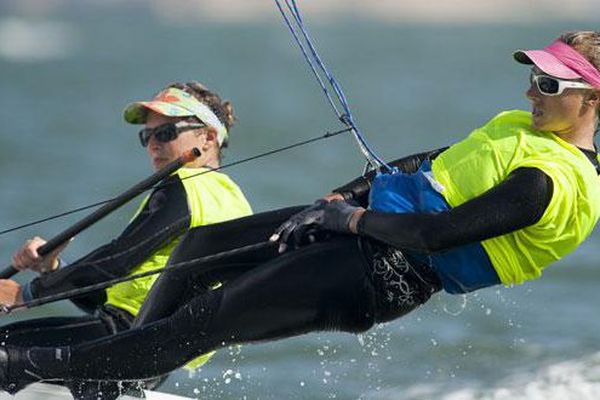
66	76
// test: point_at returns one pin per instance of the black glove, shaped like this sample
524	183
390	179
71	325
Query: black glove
337	215
333	216
294	229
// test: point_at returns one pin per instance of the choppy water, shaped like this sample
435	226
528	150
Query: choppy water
65	78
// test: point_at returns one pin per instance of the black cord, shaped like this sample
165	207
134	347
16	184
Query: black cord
261	155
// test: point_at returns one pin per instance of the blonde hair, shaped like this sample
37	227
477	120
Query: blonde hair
586	43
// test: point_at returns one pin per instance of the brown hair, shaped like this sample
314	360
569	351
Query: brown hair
222	109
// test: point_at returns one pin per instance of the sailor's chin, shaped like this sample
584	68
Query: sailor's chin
537	121
159	163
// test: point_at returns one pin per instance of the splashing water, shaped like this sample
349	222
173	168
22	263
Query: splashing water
456	309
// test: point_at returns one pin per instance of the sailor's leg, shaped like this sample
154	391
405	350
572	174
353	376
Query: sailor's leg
54	331
174	288
64	331
325	286
67	331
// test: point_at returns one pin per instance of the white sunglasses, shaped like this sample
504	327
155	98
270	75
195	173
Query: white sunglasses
551	86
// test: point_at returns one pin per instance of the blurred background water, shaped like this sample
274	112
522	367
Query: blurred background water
67	68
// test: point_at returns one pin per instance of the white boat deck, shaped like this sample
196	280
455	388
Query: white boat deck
44	391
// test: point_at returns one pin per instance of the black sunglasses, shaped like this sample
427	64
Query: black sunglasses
166	132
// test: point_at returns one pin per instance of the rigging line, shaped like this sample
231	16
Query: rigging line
56	216
169	267
310	62
347	118
166	230
268	153
299	21
231	164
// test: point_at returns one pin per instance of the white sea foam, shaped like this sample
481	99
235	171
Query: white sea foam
567	380
22	40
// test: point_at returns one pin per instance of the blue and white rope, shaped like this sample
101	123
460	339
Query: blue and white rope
316	64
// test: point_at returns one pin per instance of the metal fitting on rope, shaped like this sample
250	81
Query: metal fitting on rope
346	120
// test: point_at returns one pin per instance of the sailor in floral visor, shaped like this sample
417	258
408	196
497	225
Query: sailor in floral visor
179	118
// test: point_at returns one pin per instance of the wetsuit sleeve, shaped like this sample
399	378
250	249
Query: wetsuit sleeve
165	217
519	201
358	189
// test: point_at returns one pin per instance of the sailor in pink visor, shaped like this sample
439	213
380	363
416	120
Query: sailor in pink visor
565	86
561	61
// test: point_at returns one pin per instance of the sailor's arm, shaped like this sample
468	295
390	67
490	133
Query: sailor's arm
518	202
165	217
358	189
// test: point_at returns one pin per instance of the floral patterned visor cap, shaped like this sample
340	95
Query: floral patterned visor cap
174	102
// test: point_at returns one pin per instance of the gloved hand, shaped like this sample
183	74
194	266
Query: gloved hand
293	230
337	215
334	216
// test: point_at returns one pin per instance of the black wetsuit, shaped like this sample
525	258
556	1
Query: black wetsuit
334	284
164	217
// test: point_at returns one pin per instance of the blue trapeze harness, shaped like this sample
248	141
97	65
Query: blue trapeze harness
461	269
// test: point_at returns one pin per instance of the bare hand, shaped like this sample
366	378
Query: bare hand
27	257
10	292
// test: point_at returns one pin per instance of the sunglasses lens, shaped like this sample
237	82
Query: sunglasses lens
165	133
547	85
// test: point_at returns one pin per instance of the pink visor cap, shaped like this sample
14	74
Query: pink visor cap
561	61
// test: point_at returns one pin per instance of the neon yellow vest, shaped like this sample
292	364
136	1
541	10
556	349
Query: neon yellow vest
488	155
212	197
